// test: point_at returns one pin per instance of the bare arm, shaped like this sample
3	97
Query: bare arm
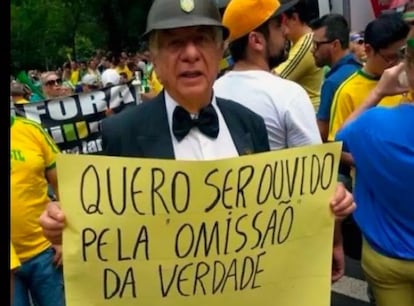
51	176
347	159
323	129
338	256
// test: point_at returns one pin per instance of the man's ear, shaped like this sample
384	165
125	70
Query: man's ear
337	44
369	50
223	45
255	40
295	16
152	58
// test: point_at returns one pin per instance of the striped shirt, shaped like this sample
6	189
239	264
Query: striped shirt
300	67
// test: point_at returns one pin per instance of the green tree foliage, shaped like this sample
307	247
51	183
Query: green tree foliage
45	32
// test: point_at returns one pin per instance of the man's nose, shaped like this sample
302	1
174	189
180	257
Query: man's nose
191	51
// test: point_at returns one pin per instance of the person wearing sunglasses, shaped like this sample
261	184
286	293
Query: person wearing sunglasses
330	48
52	85
357	46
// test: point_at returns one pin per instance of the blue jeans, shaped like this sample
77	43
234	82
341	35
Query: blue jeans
41	280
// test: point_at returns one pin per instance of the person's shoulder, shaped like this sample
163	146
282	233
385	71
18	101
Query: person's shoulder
133	114
238	109
221	82
284	90
268	81
304	41
28	127
344	71
286	85
26	123
376	114
370	118
349	83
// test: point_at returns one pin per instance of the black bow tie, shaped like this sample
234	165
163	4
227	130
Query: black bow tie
207	122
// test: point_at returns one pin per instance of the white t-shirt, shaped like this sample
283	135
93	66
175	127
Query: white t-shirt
197	146
284	105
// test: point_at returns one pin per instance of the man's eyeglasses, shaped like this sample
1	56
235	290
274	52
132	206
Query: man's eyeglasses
54	82
394	57
317	44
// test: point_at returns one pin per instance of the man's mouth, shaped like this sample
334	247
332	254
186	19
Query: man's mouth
190	74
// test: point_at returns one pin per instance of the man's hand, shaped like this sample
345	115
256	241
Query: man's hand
343	203
57	259
52	221
390	83
338	262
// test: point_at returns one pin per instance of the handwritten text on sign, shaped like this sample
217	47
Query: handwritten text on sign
244	231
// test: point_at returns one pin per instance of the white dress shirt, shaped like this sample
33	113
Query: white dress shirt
196	145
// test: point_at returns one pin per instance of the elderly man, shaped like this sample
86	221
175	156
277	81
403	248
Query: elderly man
186	120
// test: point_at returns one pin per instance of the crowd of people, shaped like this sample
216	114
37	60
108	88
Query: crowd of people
294	80
100	71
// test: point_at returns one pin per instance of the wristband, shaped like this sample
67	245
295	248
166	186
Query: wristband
408	16
410	43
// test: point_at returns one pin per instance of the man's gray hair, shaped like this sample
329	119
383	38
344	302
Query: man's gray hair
154	38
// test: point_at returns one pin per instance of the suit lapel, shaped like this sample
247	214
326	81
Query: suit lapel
155	141
242	140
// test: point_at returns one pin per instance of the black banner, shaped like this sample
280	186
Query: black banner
73	121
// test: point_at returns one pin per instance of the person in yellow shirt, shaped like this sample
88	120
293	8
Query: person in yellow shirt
384	38
75	73
154	84
300	66
32	159
121	66
14	264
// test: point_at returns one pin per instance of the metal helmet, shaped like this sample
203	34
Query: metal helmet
170	14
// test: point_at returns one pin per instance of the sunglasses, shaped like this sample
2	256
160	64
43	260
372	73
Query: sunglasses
360	41
54	82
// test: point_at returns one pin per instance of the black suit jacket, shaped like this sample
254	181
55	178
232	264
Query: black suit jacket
143	130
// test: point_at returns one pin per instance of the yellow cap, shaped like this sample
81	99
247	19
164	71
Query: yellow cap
243	16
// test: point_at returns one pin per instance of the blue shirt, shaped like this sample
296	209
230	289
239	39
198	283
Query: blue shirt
381	142
333	79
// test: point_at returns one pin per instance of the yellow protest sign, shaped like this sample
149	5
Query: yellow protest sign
253	230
